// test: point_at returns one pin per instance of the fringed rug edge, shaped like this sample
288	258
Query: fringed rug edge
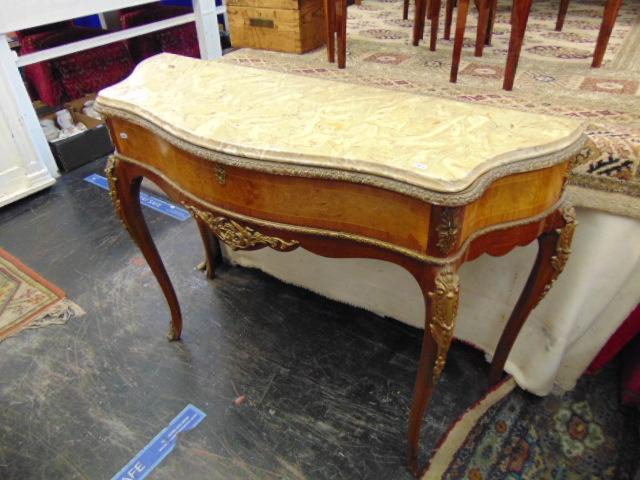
604	201
57	314
456	436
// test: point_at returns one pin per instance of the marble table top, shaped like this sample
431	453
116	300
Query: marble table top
431	143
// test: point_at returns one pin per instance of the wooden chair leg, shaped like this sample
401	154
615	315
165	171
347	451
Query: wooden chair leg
448	19
519	19
330	26
562	13
419	21
336	30
435	23
491	21
405	10
341	30
484	10
428	7
461	24
553	253
611	10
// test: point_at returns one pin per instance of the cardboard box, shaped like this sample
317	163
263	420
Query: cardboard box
294	26
76	106
82	148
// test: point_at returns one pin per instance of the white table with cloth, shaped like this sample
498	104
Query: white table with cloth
598	289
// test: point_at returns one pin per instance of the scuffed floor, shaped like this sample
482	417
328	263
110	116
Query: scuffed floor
326	387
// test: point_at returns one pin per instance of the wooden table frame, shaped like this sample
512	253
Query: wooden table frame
503	209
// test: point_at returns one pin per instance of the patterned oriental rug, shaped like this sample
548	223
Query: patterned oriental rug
29	301
554	77
512	434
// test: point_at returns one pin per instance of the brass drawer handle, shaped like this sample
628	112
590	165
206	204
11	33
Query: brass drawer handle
262	22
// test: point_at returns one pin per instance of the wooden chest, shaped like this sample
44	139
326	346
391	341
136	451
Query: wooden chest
293	26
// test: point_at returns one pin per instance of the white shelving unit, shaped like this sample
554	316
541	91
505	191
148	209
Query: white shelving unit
26	164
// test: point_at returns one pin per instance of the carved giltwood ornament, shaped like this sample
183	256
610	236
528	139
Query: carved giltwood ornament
237	236
448	230
444	310
172	332
110	171
563	246
221	174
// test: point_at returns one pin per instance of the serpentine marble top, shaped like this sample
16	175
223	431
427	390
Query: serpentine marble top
431	143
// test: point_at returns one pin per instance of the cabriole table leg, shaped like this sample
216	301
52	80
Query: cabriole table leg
553	253
441	289
124	182
211	249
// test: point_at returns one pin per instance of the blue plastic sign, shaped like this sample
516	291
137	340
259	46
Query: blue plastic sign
161	446
155	203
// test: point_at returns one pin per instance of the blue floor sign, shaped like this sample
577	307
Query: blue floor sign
161	446
152	202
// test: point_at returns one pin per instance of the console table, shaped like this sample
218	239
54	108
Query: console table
265	159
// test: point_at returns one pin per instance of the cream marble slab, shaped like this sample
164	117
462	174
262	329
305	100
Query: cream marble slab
436	144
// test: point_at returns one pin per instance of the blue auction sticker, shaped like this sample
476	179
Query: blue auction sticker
161	446
151	202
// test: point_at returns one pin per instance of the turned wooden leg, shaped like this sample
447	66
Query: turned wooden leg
461	24
441	290
448	18
611	10
484	11
491	21
435	22
124	182
211	248
562	13
553	253
418	24
330	26
341	28
519	19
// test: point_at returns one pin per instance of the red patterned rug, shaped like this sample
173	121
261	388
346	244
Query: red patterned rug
27	300
554	78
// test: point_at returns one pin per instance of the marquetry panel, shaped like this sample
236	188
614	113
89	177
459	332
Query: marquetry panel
513	198
318	203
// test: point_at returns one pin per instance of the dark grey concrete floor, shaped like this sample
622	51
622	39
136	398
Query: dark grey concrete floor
327	386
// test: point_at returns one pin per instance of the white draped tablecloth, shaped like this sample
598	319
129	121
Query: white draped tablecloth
598	289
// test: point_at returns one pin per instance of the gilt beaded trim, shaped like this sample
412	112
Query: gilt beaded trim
463	197
410	253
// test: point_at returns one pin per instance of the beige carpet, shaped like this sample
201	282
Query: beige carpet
554	77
